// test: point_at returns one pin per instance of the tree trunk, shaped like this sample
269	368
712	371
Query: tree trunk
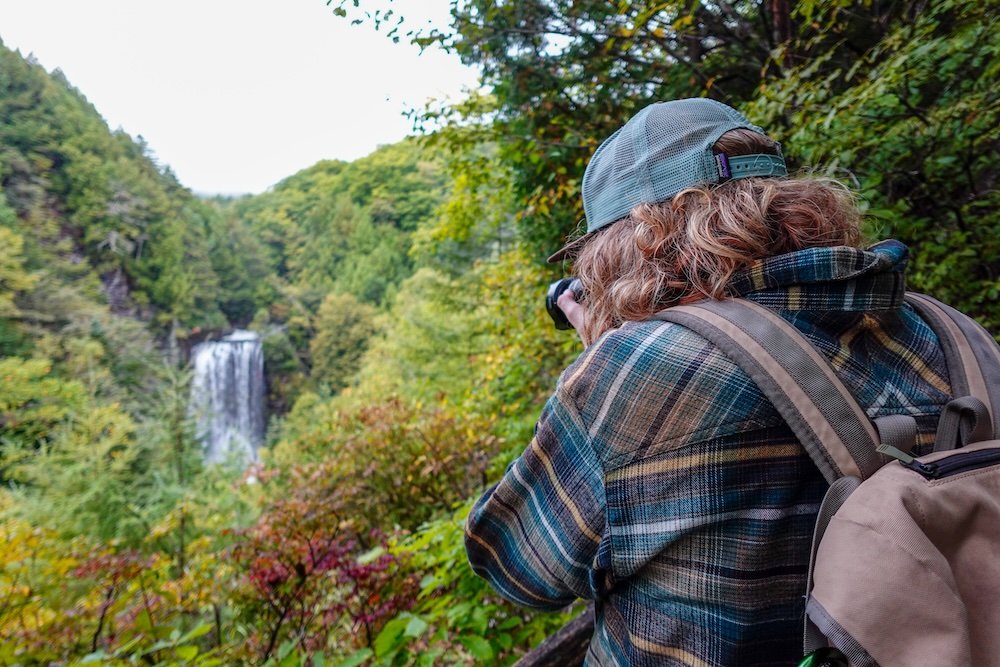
781	23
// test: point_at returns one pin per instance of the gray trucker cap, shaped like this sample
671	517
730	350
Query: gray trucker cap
662	150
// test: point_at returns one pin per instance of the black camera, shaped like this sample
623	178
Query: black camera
555	290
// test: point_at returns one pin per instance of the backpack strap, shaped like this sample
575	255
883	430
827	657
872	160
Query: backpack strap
838	493
970	352
795	378
963	421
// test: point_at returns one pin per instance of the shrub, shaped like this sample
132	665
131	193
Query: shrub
306	583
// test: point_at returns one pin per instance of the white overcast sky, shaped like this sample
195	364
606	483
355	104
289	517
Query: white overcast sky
235	95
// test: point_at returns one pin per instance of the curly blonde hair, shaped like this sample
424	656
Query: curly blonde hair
689	247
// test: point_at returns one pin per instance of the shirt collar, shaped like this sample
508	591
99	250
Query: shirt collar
837	278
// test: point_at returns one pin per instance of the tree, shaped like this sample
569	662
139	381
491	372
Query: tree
79	482
565	74
426	342
376	262
912	120
34	403
13	276
238	259
343	327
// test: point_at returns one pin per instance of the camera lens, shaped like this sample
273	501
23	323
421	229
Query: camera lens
552	298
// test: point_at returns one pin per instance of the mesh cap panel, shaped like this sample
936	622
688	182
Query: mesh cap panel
665	148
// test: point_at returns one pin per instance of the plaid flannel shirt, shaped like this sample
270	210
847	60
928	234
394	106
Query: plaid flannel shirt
663	485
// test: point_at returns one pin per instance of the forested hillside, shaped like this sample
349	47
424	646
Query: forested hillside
120	542
399	301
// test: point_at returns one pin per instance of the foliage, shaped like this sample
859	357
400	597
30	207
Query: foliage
476	220
79	482
399	299
482	342
342	222
394	463
304	581
282	363
13	277
457	618
239	260
424	343
375	262
343	327
116	208
915	122
33	403
525	354
70	599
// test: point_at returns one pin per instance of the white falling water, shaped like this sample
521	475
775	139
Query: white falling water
227	396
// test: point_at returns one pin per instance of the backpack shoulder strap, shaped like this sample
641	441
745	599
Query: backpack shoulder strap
970	352
795	377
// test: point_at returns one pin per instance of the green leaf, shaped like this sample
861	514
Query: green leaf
284	651
882	213
143	622
198	631
186	652
416	627
388	639
356	658
511	622
430	658
478	647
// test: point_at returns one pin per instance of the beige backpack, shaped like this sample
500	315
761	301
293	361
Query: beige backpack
906	554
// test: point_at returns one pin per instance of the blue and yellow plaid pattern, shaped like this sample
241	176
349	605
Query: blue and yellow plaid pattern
663	485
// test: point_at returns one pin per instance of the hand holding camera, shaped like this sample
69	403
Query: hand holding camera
563	303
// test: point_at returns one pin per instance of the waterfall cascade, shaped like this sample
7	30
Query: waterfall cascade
227	396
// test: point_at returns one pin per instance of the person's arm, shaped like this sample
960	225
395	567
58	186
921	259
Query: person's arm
535	534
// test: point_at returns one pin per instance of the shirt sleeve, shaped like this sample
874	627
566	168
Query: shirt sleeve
535	535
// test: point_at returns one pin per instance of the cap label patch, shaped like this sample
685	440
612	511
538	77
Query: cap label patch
722	165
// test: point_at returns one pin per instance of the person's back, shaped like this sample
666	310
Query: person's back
660	481
710	500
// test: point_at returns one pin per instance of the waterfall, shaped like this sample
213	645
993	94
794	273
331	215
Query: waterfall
227	396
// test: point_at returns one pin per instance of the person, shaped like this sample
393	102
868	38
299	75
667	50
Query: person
660	482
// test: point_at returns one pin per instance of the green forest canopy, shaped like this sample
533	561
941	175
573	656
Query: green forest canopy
398	297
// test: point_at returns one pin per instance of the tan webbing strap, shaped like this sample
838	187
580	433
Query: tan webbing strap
963	421
899	431
972	356
834	499
826	419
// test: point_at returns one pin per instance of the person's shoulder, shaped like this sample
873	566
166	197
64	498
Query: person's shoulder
638	350
659	382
